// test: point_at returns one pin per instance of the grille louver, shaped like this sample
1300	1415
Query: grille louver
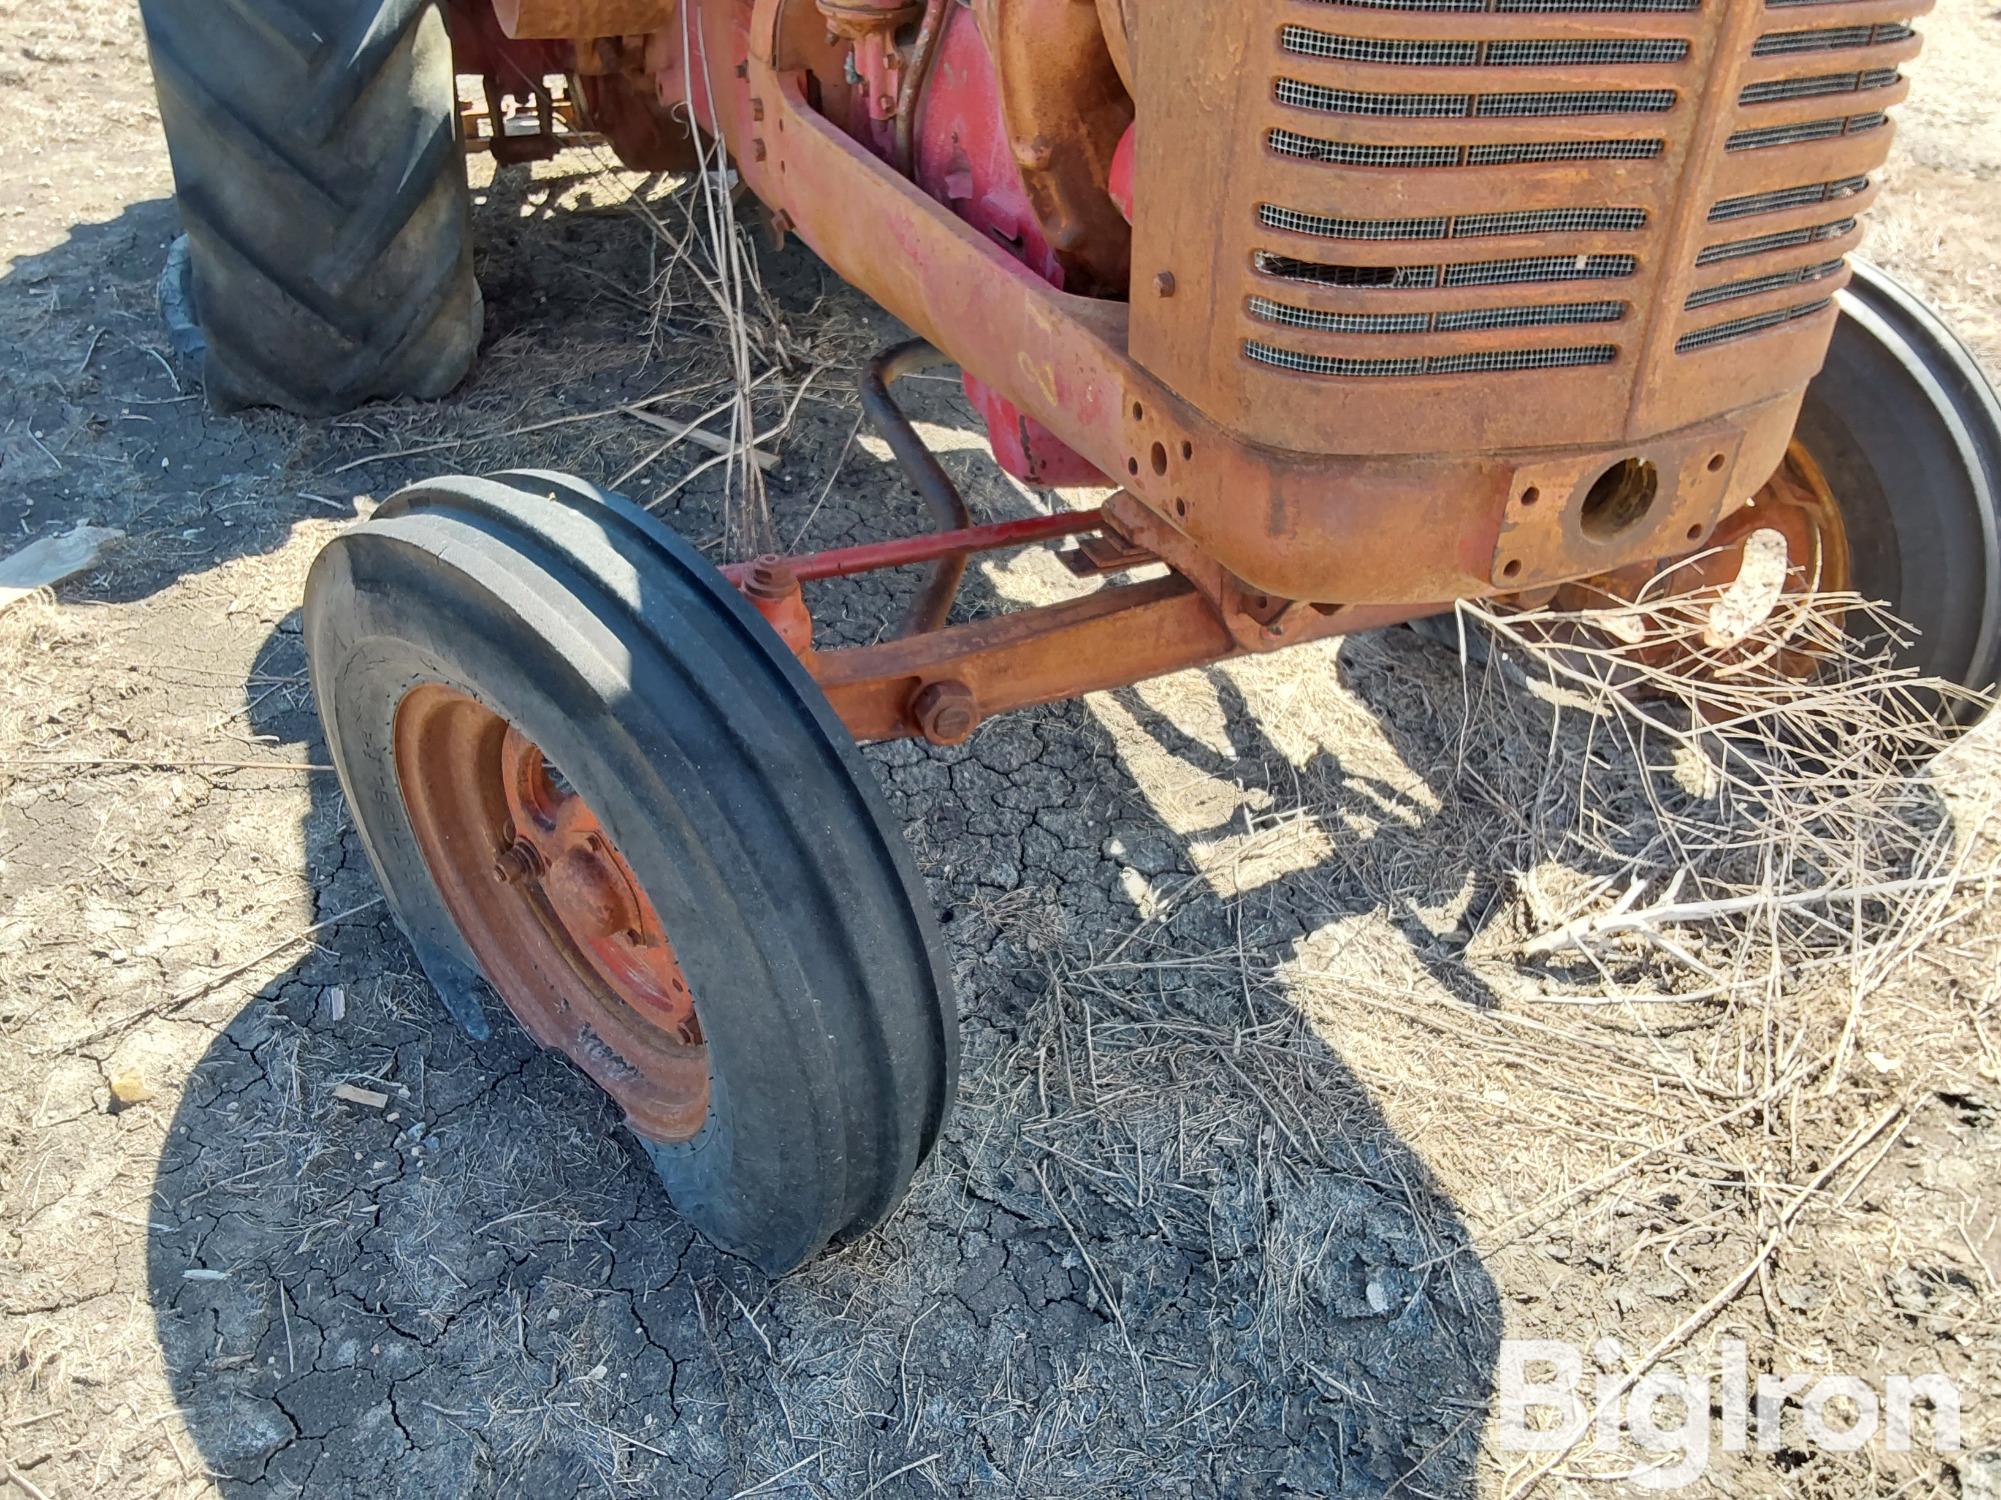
1484	189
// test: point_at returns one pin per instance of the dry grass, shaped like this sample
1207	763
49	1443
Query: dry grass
728	369
1701	991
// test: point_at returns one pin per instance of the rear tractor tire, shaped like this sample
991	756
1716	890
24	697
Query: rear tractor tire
322	187
583	768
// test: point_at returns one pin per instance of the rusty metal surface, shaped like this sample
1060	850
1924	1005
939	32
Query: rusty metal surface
968	154
644	134
1065	109
554	19
1257	619
1334	526
923	54
1666	187
1797	506
942	684
921	468
1118	20
560	925
1496	218
904	552
772	587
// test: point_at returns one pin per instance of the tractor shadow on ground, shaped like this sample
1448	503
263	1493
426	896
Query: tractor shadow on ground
1127	1265
1170	1243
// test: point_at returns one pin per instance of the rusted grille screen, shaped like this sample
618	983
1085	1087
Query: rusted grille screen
1501	188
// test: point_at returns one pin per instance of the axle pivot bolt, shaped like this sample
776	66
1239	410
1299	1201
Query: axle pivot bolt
946	713
773	591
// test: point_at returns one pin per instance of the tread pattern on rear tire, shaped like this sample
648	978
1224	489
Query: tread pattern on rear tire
320	180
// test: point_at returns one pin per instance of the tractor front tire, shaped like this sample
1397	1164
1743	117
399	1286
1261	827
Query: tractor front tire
322	187
585	768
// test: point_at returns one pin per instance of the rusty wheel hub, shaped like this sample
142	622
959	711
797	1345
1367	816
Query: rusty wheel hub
1786	543
556	917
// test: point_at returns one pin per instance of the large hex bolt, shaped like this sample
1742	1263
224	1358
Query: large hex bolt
946	713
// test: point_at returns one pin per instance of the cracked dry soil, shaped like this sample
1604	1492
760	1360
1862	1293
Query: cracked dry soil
1195	1228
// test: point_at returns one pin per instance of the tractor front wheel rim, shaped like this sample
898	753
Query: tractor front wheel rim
556	917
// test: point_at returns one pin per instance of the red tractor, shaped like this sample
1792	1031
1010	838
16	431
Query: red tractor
1363	306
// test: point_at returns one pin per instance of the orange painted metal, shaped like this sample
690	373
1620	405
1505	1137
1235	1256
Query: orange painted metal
1118	20
772	587
1422	302
930	546
559	923
1065	109
940	685
1796	504
1120	634
1385	468
562	19
624	107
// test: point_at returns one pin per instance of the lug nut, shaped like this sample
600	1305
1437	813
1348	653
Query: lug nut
516	863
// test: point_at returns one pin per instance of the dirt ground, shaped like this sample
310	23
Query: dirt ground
1269	1134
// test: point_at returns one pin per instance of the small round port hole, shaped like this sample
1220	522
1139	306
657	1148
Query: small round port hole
1619	499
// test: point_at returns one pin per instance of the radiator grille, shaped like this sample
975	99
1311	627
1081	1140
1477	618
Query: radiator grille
1471	320
1535	268
1812	88
1534	153
1364	154
1490	361
1590	164
1764	137
1763	244
1782	198
1303	41
1832	39
1461	227
1331	101
1737	328
1752	286
1529	7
